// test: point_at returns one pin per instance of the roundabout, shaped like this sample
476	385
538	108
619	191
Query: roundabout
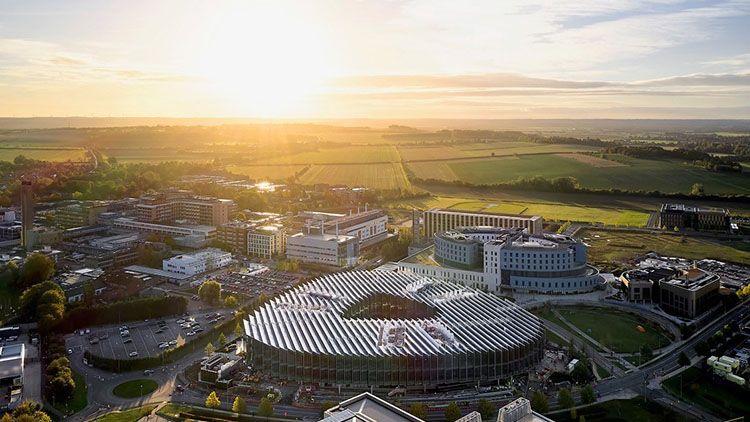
135	388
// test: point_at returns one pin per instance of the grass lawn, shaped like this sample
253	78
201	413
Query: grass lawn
79	399
615	329
603	372
721	399
555	338
611	214
135	388
172	410
130	415
610	246
622	411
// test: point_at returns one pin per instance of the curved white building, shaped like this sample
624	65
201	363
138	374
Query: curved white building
384	329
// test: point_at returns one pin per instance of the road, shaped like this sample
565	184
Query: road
666	363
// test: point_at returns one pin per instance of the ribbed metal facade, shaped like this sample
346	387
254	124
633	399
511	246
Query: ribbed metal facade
475	337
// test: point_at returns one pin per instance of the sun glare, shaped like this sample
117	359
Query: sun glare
263	61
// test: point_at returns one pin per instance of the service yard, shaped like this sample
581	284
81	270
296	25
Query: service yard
144	338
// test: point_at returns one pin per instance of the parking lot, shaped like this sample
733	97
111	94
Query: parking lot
142	339
268	283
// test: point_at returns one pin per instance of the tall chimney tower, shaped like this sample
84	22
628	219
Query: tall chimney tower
27	212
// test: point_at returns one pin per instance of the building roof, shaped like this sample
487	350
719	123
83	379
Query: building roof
310	318
11	361
692	209
367	407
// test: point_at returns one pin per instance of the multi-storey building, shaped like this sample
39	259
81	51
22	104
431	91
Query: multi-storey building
27	213
266	241
686	216
369	226
442	220
234	234
684	292
198	262
166	208
326	249
492	259
123	223
79	214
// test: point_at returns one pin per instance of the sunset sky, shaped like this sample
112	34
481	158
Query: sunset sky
379	59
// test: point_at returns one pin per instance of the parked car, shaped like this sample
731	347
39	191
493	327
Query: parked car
70	351
173	343
127	340
190	333
133	354
148	372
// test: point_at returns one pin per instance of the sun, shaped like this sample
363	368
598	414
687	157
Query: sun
263	60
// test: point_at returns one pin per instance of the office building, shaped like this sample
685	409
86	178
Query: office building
108	252
367	407
75	283
234	234
325	249
442	220
80	214
179	205
128	224
689	217
12	362
519	410
369	226
375	329
683	292
198	262
266	241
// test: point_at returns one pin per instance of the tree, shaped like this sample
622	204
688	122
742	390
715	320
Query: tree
683	359
222	339
419	410
44	301
230	302
582	418
587	394
27	411
646	353
582	371
697	189
36	268
565	399
239	405
265	407
539	402
452	412
238	330
210	292
212	401
62	386
702	348
486	409
210	349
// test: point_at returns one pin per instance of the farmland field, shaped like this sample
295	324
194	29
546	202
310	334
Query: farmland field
615	246
449	152
379	176
343	154
269	173
662	175
44	154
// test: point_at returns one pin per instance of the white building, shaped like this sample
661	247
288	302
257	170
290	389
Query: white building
369	226
129	224
266	241
442	220
198	262
492	259
326	249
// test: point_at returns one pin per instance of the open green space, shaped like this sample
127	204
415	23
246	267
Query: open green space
135	388
339	154
618	246
377	176
631	410
501	148
633	174
78	400
616	329
129	415
719	398
43	154
172	410
549	209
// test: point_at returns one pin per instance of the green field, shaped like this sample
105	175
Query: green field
378	176
79	400
44	154
615	329
615	246
661	175
130	415
725	400
155	155
450	152
135	388
610	214
270	173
